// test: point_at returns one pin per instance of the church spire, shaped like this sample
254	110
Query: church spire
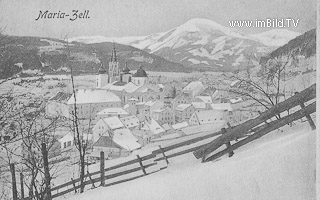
114	53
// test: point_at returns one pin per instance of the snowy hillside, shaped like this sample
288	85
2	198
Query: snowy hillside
204	43
280	165
275	37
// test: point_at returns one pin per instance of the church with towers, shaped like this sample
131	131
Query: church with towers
125	84
115	76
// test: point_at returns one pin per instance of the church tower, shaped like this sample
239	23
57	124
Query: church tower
114	70
102	77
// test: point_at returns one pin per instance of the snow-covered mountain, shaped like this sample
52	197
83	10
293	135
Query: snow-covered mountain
204	43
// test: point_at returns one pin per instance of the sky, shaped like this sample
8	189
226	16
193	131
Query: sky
117	18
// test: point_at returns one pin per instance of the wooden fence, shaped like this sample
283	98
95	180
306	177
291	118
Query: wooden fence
257	127
202	146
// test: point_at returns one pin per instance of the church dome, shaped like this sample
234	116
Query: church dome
140	73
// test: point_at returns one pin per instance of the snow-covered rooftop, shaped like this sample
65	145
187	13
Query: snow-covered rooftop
199	105
221	106
113	122
130	121
125	139
209	116
93	96
113	111
153	126
180	125
126	87
205	99
182	107
195	85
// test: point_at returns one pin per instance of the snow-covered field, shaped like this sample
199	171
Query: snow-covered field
280	165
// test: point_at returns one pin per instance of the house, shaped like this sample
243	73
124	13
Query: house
109	112
152	126
106	126
198	106
163	116
181	99
124	138
66	141
194	88
207	117
144	136
154	105
121	144
57	105
90	102
109	147
130	122
183	112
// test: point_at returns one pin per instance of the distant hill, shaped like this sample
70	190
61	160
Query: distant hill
19	55
303	45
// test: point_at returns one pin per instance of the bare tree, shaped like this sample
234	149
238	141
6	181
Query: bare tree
267	87
80	127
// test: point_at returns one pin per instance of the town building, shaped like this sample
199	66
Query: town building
183	112
109	112
207	117
163	116
194	88
91	101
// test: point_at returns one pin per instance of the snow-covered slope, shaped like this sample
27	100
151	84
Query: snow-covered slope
275	37
204	43
280	165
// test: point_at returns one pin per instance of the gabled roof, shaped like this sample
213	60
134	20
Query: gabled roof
93	96
205	99
182	107
113	122
60	97
194	86
125	139
106	141
221	106
130	121
199	105
153	126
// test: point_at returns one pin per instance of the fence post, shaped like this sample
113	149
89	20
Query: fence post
223	131
21	186
46	171
102	168
165	157
14	183
141	165
74	185
311	123
93	186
